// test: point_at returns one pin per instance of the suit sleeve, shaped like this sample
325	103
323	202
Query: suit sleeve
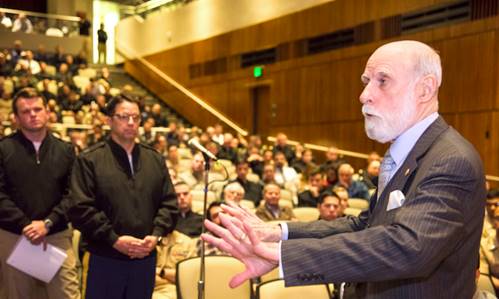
167	215
9	211
321	229
424	231
83	214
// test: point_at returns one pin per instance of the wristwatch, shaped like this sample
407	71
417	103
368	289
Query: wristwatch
160	238
48	224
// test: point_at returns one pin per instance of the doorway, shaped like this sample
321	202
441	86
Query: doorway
260	99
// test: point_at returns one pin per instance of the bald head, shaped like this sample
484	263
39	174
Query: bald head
422	58
401	88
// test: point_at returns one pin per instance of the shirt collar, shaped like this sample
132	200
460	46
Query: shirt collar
401	147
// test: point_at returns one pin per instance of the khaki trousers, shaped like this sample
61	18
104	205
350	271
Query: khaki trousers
15	284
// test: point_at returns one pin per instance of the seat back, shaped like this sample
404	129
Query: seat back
352	211
219	271
358	203
275	289
306	213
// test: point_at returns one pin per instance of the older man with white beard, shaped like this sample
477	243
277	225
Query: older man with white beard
420	236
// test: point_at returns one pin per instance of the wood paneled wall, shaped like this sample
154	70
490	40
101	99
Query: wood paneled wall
315	98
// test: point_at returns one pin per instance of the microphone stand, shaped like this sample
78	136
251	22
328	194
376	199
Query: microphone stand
201	282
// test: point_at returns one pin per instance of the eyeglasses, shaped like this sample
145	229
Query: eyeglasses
126	117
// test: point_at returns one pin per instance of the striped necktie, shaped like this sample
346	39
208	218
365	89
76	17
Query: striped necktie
385	172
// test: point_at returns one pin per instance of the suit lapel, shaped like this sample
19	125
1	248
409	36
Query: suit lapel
409	166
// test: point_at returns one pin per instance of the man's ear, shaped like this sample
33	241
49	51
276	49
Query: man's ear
426	88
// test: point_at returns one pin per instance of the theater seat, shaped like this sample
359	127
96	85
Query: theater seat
275	289
219	271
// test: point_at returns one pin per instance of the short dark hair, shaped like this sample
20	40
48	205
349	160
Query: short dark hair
241	162
316	171
493	193
27	93
212	205
118	99
327	193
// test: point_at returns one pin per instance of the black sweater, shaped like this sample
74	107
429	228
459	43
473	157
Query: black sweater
109	201
34	187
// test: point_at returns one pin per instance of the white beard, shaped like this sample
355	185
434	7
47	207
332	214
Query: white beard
386	128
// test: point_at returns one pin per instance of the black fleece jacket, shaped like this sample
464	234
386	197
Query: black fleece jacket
34	186
109	200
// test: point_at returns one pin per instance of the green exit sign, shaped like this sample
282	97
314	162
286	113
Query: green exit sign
258	71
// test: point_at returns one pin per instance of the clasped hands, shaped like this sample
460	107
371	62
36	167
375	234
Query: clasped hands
35	232
247	238
134	247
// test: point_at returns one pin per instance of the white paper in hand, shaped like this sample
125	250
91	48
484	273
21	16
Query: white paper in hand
34	261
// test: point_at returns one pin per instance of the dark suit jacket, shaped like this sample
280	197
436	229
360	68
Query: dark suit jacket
427	248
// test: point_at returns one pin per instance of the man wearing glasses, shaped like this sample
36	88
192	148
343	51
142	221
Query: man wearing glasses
123	202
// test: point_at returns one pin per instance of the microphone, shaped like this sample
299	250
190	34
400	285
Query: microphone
195	143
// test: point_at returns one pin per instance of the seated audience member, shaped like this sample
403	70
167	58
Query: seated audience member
159	118
370	175
329	206
23	24
183	136
226	151
172	136
331	176
343	195
172	159
268	157
491	204
270	209
233	193
194	175
252	190
46	91
216	133
255	160
489	251
28	62
188	223
160	144
15	53
283	173
268	175
5	21
310	196
72	103
72	67
5	67
63	75
171	250
214	209
41	54
373	156
147	136
43	73
332	159
305	163
283	147
355	189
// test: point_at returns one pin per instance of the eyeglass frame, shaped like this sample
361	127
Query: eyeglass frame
126	117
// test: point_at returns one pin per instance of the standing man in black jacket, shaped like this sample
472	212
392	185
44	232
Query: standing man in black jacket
123	202
34	175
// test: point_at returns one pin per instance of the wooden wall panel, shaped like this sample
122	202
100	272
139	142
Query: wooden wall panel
315	98
477	128
468	72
